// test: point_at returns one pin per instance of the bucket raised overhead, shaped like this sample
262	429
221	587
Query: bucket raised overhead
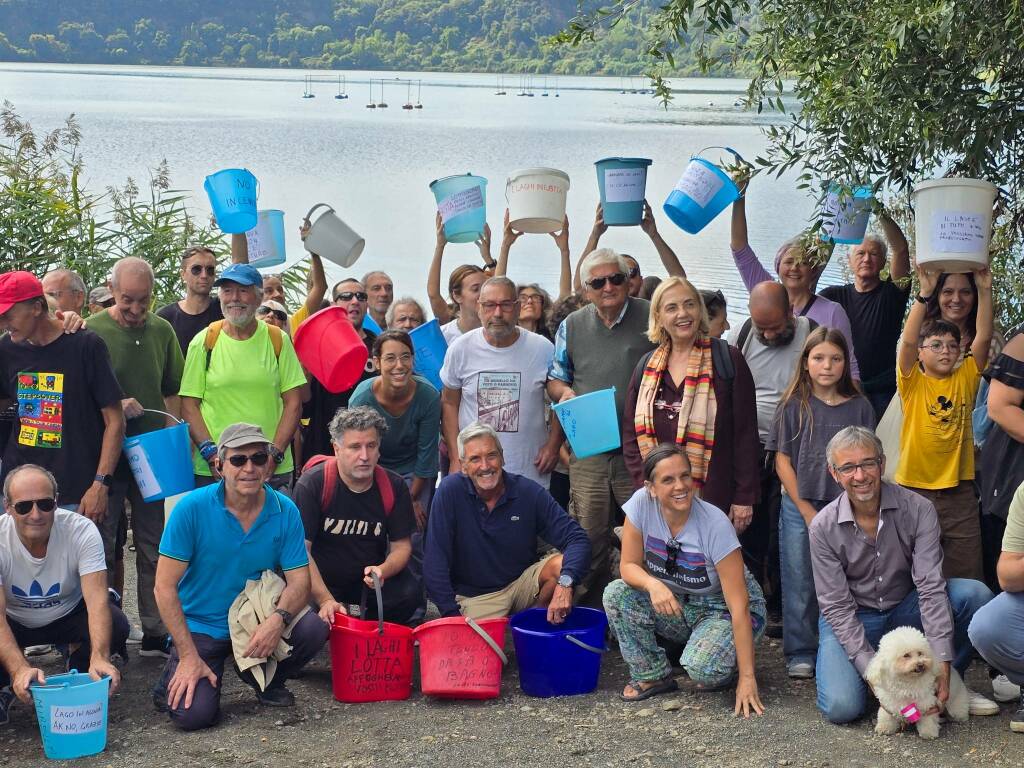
590	423
536	199
462	203
71	710
161	461
330	348
331	238
953	223
702	192
265	241
233	194
844	217
622	182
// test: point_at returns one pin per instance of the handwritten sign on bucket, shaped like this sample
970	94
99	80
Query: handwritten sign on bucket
379	665
699	183
624	185
958	232
81	718
460	202
467	665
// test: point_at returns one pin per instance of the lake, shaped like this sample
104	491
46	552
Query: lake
374	166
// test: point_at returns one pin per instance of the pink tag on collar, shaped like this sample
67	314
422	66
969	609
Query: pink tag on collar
911	713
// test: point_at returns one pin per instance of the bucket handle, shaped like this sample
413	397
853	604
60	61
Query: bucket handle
487	639
380	602
592	648
318	205
735	154
165	413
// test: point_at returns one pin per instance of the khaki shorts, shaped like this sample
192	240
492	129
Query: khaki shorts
517	596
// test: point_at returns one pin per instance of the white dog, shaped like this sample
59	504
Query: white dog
904	673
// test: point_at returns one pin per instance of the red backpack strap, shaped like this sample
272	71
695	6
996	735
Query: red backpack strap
330	477
387	491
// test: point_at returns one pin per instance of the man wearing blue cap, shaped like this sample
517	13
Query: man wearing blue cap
241	370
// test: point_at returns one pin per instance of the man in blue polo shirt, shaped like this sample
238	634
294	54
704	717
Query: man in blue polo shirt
481	552
218	538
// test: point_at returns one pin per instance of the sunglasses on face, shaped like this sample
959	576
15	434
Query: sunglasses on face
598	282
258	459
198	269
347	296
634	272
275	312
672	554
24	507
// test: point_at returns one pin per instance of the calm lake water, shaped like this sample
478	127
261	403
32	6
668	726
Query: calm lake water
374	166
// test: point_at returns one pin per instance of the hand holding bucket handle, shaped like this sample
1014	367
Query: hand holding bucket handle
380	602
306	219
487	639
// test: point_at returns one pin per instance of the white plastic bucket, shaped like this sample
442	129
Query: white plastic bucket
536	199
332	239
953	223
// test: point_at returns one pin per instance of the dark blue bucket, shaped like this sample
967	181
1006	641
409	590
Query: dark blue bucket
562	660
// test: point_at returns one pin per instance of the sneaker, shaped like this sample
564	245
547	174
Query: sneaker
981	706
800	670
7	698
276	696
1016	719
156	646
38	650
135	635
1003	689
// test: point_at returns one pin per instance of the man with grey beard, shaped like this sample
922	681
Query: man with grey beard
771	342
496	375
241	370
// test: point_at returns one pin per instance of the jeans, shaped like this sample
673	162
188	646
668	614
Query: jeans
799	603
842	693
997	631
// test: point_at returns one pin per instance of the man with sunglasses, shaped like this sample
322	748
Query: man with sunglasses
198	309
54	587
597	347
877	565
350	295
219	538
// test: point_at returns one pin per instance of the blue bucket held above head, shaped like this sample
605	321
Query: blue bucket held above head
590	422
462	203
622	182
233	193
71	710
266	240
702	192
844	217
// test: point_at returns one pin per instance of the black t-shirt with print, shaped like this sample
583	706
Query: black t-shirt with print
60	390
186	326
354	532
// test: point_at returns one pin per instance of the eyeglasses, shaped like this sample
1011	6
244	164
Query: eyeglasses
198	269
866	466
529	298
275	312
506	306
258	459
598	282
938	346
24	507
347	295
634	272
405	358
672	554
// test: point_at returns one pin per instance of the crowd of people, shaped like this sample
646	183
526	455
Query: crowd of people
813	474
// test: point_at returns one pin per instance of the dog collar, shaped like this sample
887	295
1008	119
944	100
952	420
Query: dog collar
911	713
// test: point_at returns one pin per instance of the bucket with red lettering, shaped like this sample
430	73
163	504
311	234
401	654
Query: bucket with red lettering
536	199
461	658
370	660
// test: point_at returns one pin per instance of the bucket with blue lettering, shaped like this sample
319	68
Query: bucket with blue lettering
233	194
161	461
702	192
559	659
462	203
590	422
622	182
265	241
429	347
72	713
844	217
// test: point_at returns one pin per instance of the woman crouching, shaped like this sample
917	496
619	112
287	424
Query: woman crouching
683	579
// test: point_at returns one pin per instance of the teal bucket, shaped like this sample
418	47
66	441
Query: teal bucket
72	713
622	182
702	192
844	218
590	422
233	194
429	347
161	461
266	240
462	203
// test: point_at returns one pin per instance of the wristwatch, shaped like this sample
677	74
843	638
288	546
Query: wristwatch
922	299
107	480
565	580
285	615
275	453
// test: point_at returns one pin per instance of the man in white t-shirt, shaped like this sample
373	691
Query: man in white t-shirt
54	581
496	375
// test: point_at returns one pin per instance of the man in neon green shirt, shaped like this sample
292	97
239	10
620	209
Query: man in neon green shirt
247	376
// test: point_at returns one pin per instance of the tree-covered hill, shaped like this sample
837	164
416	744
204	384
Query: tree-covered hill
450	35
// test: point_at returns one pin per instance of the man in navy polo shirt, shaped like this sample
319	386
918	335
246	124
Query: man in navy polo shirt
218	538
481	552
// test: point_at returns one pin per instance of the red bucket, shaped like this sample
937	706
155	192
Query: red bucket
330	348
370	660
461	658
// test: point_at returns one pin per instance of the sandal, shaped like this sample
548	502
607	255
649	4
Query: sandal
665	685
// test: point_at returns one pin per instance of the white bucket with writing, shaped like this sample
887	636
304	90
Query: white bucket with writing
332	239
536	199
953	223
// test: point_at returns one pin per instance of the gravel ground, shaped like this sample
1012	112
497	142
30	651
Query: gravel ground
683	729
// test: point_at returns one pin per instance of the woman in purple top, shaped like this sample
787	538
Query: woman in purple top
799	277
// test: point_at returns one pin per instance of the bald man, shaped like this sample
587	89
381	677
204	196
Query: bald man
66	290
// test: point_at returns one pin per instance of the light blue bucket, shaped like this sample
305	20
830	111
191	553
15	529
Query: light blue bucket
462	203
233	194
429	345
702	192
844	218
266	240
161	461
369	324
590	422
72	713
622	182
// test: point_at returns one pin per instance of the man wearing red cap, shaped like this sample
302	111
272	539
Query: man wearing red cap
69	417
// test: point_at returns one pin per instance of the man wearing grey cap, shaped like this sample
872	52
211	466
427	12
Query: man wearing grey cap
219	537
100	298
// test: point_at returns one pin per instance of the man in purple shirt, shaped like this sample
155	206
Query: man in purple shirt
877	565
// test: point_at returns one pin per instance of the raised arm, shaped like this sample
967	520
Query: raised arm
668	257
508	238
317	285
984	325
899	250
437	303
239	249
906	357
596	231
